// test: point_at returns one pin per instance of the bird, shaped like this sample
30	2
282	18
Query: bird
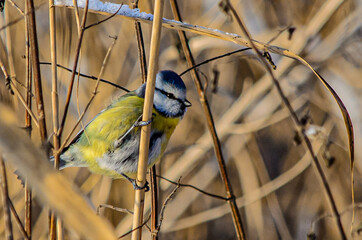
109	144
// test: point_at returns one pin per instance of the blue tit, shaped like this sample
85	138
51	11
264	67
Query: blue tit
109	144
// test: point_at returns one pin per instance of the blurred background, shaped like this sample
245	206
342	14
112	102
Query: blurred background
278	192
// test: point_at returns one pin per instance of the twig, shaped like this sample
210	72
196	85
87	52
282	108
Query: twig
5	200
70	88
135	229
296	121
278	34
28	110
213	59
210	123
106	19
36	70
16	7
17	220
147	115
88	76
193	187
169	197
124	210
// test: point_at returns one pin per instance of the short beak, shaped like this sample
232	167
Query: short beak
187	103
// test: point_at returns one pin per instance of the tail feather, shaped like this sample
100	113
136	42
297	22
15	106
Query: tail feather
62	162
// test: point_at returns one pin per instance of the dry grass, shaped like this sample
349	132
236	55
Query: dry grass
274	181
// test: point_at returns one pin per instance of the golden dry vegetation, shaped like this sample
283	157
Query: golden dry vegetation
277	186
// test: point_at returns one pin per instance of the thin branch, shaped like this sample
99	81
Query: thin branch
88	76
104	20
17	220
16	7
213	59
294	116
211	126
24	102
5	200
169	197
123	210
135	229
193	187
70	88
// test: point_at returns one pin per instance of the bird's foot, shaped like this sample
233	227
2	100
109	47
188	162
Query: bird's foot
143	123
146	187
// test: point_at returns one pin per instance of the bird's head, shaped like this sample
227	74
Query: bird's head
170	94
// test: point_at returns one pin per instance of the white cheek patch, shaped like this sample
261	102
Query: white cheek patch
169	107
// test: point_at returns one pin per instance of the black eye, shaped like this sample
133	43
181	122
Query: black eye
170	95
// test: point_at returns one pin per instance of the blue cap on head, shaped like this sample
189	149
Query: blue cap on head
170	77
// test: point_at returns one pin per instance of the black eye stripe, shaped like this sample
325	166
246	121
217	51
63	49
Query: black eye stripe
172	96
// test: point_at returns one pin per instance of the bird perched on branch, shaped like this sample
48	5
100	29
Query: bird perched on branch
109	144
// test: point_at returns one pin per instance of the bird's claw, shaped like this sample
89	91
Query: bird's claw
146	187
143	123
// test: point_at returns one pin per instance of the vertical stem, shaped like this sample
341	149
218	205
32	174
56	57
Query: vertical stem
153	182
210	123
55	108
28	125
154	202
5	200
36	69
147	114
